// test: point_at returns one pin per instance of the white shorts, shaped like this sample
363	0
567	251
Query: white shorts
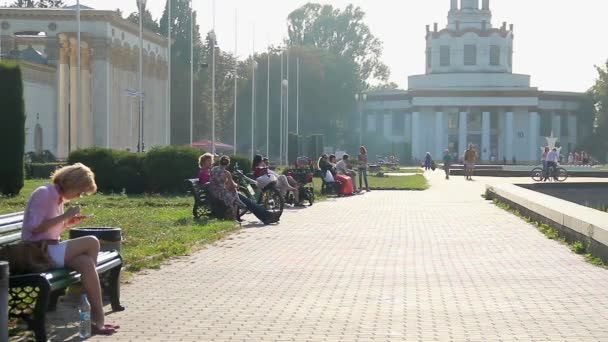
57	253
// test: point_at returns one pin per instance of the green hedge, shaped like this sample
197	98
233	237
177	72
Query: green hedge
167	167
129	174
12	129
41	170
101	161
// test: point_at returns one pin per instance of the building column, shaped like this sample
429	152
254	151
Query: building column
556	126
486	148
439	135
533	135
509	135
416	136
63	98
388	126
86	118
73	94
463	131
573	129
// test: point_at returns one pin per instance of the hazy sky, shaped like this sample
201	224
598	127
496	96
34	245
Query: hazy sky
558	42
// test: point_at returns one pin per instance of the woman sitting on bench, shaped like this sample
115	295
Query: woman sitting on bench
44	220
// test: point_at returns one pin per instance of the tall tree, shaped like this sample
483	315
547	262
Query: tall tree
149	22
597	142
39	3
180	68
342	32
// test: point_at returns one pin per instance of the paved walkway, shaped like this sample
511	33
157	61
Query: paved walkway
441	264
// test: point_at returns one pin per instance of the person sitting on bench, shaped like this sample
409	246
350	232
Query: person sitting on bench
44	220
342	168
224	189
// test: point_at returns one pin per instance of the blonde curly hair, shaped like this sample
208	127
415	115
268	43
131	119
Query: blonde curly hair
77	177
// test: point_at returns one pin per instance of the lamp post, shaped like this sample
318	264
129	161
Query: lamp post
236	71
360	99
141	4
212	36
254	65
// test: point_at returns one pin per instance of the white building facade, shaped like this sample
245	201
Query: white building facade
470	95
43	42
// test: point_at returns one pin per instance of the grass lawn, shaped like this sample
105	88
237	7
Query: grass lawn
414	182
154	227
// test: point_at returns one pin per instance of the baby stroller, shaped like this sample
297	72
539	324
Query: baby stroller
303	174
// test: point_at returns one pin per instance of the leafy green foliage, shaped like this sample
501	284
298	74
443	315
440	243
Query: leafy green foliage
39	3
41	170
102	163
597	142
167	167
12	129
341	32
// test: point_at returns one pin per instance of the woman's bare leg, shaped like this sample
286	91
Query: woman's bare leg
81	255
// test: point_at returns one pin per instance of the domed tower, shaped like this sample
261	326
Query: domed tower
469	43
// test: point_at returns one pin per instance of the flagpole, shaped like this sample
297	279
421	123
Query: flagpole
268	108
253	93
213	84
287	114
75	137
191	73
168	118
298	96
236	68
281	112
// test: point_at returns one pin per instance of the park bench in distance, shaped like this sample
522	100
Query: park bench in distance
32	295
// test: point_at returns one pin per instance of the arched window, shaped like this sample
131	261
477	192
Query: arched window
38	139
470	54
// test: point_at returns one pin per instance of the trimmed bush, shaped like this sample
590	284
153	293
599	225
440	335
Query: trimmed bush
41	170
101	161
165	168
129	174
45	156
12	129
243	161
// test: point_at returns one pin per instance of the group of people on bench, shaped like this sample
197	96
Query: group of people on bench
339	171
222	188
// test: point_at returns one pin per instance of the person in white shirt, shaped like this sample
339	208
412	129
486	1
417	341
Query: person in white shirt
342	168
551	163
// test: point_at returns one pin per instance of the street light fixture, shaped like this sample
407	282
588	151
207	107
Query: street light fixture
360	99
284	113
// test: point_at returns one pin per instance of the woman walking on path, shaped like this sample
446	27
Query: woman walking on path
447	163
428	161
362	158
44	221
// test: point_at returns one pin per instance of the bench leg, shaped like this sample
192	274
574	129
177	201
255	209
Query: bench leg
38	318
114	289
54	298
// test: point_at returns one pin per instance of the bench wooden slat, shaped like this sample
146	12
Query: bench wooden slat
7	239
11	220
3	216
63	278
10	227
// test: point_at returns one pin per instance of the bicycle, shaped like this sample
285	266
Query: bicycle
558	174
269	197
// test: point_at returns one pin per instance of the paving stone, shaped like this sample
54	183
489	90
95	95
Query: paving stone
442	264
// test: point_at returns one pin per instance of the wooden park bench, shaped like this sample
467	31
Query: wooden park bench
204	205
327	188
32	295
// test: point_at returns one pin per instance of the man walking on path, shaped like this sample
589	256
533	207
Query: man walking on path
470	157
447	163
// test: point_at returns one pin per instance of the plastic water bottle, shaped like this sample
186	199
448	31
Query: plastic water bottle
84	310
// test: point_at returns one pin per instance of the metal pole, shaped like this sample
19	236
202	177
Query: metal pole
168	118
191	73
360	122
298	96
287	114
281	112
78	86
140	144
4	274
236	68
253	95
213	84
268	107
